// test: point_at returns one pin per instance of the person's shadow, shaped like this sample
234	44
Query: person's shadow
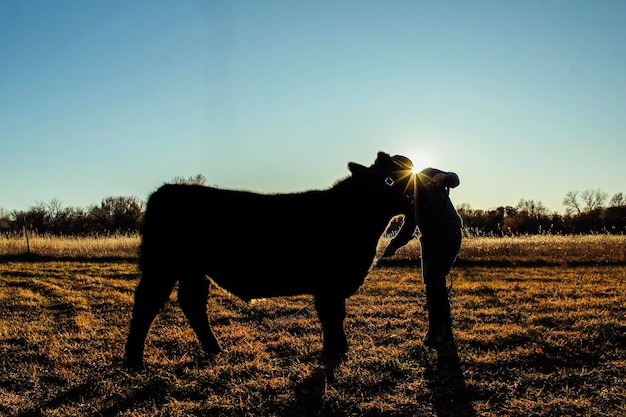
444	377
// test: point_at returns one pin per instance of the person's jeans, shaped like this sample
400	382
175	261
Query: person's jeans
438	255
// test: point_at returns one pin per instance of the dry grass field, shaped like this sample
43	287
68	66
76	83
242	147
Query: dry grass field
71	247
540	330
517	250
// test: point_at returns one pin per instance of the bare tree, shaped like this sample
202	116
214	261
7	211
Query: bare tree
5	220
464	207
571	203
532	207
617	200
594	199
55	207
198	179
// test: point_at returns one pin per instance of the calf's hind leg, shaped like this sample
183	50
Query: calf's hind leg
193	292
331	311
151	294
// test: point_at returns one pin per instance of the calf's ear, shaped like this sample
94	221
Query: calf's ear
356	168
382	155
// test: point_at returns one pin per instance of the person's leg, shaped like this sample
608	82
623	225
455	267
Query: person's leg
438	255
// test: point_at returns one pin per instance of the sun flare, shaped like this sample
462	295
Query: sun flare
420	161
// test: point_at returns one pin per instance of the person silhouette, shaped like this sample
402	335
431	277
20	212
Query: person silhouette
439	226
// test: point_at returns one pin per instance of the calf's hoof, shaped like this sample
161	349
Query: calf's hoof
133	362
212	349
335	352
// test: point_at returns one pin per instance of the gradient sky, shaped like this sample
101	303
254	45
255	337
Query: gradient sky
522	99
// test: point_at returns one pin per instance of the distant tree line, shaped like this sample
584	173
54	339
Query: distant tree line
585	212
122	215
112	215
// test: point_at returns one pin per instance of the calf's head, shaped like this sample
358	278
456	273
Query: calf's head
390	178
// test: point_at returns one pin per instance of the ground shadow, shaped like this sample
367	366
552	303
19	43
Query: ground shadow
309	393
154	393
444	377
36	258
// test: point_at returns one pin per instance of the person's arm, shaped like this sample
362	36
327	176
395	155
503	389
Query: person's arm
446	179
405	234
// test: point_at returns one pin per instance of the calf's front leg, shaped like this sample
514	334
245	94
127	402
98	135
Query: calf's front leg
331	310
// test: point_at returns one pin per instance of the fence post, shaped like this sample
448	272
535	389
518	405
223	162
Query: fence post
26	237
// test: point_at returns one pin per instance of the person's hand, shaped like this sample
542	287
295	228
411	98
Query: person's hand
439	179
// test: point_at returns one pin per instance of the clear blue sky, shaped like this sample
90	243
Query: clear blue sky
523	99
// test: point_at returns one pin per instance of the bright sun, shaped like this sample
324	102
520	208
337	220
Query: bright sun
420	161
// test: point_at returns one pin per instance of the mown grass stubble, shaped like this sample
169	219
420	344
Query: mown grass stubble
530	340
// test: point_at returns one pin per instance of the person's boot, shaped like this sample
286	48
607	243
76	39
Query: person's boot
439	323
